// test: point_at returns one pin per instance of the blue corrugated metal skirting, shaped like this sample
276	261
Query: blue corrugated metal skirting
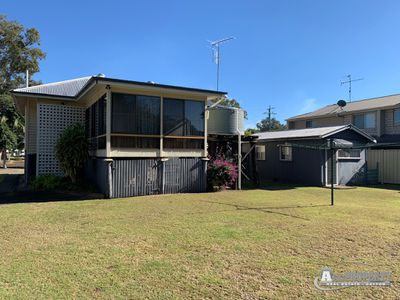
139	177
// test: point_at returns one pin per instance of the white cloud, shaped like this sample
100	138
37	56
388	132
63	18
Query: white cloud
308	105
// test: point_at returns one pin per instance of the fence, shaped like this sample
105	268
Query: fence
387	164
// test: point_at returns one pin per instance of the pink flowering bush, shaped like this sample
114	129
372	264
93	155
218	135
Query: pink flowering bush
221	173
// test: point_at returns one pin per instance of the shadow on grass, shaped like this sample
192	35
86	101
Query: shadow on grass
267	209
32	197
272	186
395	187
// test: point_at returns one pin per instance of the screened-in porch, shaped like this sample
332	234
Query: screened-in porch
135	125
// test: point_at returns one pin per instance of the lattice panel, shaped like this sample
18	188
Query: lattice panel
52	120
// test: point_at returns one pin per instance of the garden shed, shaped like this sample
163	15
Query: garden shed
303	156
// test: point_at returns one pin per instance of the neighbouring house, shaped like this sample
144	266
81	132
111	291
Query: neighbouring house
379	117
145	138
303	156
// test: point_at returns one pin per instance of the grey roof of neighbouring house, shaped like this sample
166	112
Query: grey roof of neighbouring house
308	133
367	104
74	87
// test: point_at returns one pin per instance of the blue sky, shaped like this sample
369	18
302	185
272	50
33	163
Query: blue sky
288	54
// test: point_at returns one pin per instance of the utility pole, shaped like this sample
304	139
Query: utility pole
215	46
270	112
349	81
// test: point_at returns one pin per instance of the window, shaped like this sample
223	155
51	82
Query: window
359	121
370	120
285	153
396	116
260	152
365	120
349	154
135	114
309	124
95	123
183	117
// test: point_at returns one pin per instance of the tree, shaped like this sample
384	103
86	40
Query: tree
72	151
18	53
8	140
232	103
272	124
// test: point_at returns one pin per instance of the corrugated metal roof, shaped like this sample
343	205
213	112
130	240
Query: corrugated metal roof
317	133
72	88
367	104
67	88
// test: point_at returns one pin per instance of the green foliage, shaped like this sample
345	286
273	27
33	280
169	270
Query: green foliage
72	151
250	131
8	139
273	125
18	53
57	183
232	103
9	117
46	183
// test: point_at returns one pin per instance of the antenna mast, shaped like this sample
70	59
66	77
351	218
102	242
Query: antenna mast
216	54
349	81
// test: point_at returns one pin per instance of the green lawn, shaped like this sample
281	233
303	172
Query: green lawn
249	244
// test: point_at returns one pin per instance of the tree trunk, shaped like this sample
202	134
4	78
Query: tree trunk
4	153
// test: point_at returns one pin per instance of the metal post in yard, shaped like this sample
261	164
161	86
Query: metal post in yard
332	156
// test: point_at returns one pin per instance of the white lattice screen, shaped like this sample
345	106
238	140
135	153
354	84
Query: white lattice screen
52	120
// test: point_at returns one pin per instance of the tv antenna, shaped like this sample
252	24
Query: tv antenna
349	81
215	46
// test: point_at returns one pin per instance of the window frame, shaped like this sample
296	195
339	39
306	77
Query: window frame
290	155
394	116
184	103
348	157
364	120
137	98
312	124
260	155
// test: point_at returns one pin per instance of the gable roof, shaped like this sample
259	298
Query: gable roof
73	88
360	105
309	133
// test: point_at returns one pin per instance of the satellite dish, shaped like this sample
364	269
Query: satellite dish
341	103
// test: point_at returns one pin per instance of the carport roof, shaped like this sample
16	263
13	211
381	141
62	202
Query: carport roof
309	133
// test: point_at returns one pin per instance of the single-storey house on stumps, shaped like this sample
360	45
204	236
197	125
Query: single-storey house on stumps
145	138
303	156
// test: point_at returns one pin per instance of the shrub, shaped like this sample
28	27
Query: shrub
221	172
46	183
72	151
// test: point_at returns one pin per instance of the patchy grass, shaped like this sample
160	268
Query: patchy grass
249	244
